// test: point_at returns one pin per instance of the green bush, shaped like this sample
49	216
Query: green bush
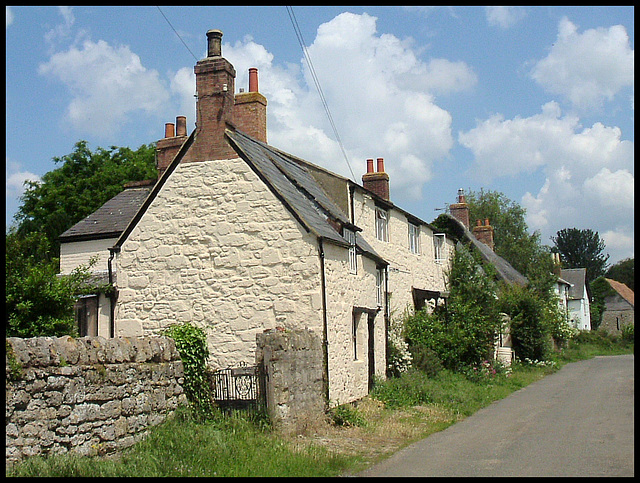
530	329
426	360
191	343
627	333
346	415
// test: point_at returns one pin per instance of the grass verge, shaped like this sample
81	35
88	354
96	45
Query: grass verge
398	412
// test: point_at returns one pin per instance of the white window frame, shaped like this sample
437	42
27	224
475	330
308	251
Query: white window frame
350	236
414	238
382	224
380	286
439	246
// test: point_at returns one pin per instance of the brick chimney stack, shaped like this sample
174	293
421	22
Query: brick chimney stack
174	137
484	233
215	78
250	110
377	182
460	210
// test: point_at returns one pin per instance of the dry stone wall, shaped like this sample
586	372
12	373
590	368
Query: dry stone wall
88	395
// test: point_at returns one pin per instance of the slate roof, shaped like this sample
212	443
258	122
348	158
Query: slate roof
289	180
110	219
624	291
296	187
504	269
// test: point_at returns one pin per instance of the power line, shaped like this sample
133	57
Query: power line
165	17
307	57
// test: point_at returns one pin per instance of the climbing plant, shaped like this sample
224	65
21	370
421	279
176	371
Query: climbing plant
191	344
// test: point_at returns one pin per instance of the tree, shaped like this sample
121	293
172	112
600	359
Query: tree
84	182
581	249
464	332
513	242
623	272
38	302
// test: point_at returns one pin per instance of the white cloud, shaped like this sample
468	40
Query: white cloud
380	94
589	171
16	178
107	83
589	68
504	17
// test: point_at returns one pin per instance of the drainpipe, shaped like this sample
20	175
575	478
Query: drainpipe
112	293
325	330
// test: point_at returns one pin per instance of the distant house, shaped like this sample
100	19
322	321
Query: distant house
237	237
619	308
578	307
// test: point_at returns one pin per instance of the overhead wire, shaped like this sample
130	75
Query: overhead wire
307	57
176	32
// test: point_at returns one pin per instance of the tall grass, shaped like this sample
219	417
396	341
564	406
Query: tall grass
238	445
184	446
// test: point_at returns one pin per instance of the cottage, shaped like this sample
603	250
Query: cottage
619	308
236	237
578	307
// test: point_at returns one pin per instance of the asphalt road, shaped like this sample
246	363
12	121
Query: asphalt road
575	422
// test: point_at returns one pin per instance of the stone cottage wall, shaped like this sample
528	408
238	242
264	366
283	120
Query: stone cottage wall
218	249
88	395
406	269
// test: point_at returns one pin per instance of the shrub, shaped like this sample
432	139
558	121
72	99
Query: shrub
191	344
346	415
425	360
627	333
530	330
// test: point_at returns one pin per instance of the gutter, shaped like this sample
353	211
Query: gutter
325	330
113	293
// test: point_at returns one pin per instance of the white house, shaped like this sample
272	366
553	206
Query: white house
579	313
236	237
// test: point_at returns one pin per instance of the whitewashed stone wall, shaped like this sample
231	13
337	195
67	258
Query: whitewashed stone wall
217	248
406	269
348	377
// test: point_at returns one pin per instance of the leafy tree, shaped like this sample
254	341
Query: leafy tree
581	249
38	302
623	272
513	242
463	333
84	182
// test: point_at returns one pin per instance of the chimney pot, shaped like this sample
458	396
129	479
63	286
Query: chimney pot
169	130
486	222
478	222
380	165
253	79
461	198
214	43
369	165
181	126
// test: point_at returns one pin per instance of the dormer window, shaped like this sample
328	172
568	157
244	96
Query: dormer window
350	236
414	238
382	224
439	240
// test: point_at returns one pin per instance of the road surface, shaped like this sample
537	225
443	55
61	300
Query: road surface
575	422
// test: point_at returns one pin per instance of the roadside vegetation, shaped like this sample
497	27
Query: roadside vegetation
399	411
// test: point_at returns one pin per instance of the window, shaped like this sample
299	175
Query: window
350	236
357	335
382	222
414	238
380	287
439	246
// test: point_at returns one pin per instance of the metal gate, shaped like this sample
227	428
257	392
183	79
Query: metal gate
241	387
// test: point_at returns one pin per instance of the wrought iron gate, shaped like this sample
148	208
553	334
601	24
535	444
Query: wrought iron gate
241	387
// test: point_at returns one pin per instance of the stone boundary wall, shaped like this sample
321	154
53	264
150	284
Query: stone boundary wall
292	361
88	395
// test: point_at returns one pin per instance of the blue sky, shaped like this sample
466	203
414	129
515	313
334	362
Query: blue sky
536	102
